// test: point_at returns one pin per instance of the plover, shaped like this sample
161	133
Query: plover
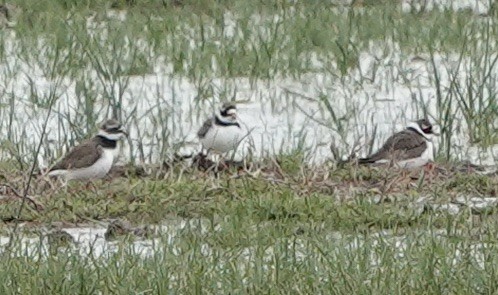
222	132
93	158
408	149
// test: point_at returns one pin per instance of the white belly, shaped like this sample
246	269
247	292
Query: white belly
427	155
98	170
222	139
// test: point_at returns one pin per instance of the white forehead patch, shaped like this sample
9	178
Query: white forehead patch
110	136
111	125
232	111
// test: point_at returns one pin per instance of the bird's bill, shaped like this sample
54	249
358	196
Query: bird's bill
436	133
124	131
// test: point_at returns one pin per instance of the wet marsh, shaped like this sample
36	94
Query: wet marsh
305	76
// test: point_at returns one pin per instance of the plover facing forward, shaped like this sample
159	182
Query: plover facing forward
222	132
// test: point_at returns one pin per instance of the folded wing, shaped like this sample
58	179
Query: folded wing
80	156
404	145
205	128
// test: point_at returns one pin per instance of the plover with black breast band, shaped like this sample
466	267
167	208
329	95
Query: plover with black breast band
92	159
222	132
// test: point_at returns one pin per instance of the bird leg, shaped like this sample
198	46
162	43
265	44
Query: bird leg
223	163
91	186
429	168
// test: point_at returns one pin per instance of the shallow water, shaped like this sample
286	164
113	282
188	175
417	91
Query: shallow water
477	6
387	90
279	115
90	241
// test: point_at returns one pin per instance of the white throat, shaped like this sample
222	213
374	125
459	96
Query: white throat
419	130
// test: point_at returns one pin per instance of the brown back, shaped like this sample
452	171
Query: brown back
403	145
81	156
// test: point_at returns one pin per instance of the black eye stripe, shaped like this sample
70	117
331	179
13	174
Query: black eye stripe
114	130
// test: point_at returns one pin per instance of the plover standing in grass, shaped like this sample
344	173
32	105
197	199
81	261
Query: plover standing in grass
221	133
93	158
410	148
